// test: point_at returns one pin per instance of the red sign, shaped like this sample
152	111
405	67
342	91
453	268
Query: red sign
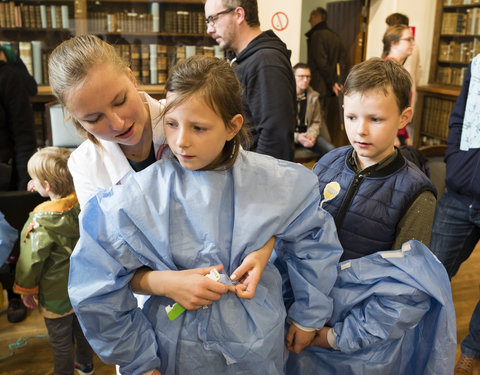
279	21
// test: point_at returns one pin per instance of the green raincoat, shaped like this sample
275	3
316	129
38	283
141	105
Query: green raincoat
46	243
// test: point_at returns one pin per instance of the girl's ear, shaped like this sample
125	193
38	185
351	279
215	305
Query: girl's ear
406	117
132	78
235	125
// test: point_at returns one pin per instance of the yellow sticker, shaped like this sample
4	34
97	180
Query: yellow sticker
331	190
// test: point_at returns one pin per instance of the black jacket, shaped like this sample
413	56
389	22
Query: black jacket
463	167
17	131
325	50
269	97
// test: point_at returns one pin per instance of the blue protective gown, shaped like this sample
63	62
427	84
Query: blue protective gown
8	236
392	315
168	218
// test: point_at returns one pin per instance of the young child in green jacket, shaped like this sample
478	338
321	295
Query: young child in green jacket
46	243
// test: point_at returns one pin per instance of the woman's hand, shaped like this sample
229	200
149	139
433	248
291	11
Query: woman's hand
251	270
190	288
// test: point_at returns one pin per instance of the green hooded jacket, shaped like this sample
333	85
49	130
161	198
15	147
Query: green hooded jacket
46	243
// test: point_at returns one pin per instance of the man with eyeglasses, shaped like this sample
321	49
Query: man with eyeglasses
262	63
311	132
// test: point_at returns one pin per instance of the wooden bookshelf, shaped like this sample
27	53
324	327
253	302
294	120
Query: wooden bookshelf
456	41
151	35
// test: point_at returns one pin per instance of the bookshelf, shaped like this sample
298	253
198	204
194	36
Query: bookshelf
151	35
456	41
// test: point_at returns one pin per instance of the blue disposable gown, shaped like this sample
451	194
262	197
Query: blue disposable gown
8	236
168	218
392	315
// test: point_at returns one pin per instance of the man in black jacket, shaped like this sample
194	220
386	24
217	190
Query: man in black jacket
17	132
262	64
328	62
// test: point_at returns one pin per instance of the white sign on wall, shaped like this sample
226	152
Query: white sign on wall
284	18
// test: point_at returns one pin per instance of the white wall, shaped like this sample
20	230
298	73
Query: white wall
291	35
421	14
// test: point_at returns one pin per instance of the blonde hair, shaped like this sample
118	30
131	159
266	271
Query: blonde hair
72	60
50	164
219	87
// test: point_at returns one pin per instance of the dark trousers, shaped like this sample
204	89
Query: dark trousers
62	333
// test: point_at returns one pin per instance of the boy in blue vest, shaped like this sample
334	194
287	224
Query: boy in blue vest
383	300
384	200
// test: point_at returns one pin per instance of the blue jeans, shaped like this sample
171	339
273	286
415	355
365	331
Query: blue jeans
455	232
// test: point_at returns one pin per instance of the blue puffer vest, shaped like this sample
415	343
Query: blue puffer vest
370	204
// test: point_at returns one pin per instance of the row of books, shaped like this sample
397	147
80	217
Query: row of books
435	116
460	2
458	52
451	75
34	16
149	62
175	21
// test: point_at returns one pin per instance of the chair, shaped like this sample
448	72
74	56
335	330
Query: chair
436	165
60	132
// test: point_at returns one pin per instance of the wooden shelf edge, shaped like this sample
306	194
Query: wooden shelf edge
434	88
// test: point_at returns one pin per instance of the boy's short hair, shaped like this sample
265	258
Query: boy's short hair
50	164
379	74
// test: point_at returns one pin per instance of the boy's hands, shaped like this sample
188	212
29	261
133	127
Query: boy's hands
320	338
298	339
30	300
251	270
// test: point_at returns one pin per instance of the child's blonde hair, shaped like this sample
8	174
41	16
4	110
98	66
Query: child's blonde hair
72	60
218	86
50	164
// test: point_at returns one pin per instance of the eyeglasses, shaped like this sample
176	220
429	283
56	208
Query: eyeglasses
303	76
210	21
409	39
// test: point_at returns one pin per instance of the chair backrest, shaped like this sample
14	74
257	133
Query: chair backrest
436	165
60	132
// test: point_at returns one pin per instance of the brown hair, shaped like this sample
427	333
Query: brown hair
249	6
218	85
392	35
50	164
70	63
379	74
396	19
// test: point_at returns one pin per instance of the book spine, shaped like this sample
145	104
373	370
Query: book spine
155	17
37	61
26	55
65	18
153	64
43	16
53	15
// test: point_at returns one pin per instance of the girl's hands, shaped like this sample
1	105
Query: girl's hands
190	288
251	270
